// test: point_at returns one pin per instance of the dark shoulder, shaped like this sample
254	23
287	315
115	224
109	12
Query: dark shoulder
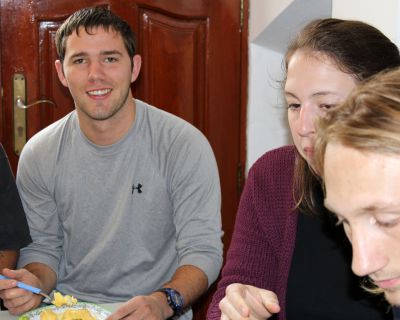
272	174
2	153
277	162
270	187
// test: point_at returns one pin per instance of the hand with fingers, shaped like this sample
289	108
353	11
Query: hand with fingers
151	307
15	299
248	302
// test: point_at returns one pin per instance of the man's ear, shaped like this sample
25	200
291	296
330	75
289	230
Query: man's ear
137	63
60	73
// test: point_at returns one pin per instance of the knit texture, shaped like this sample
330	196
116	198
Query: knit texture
264	236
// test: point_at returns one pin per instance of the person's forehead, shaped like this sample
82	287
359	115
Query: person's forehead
358	181
311	73
106	38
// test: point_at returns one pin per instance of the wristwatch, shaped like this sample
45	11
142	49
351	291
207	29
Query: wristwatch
174	298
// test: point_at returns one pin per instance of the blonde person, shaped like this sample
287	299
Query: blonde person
286	259
358	156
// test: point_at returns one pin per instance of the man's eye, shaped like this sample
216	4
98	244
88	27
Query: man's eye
388	224
79	61
111	59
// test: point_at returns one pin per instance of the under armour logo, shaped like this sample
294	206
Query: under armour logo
138	188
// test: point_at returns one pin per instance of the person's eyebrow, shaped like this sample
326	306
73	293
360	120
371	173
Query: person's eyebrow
78	54
103	53
316	94
110	52
378	207
325	93
381	207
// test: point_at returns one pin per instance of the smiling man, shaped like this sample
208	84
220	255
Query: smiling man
122	199
358	156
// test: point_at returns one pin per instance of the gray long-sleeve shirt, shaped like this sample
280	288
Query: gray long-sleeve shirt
117	221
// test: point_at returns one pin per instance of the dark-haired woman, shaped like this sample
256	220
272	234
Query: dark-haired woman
287	260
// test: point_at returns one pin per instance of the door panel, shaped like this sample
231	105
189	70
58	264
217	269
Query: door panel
174	46
192	67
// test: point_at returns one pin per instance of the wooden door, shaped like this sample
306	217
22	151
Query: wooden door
192	67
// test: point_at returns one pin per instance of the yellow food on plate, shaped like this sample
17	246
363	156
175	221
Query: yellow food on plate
48	315
60	300
68	314
77	314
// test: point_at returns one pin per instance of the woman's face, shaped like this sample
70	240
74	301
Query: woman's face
314	84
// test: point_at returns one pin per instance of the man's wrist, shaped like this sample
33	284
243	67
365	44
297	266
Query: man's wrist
165	307
174	300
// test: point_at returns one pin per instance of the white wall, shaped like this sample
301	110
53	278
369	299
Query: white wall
272	23
269	37
381	14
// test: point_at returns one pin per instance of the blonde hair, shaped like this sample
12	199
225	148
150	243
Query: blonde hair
368	121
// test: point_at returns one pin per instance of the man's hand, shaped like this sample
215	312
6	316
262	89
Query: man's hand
17	300
152	307
248	302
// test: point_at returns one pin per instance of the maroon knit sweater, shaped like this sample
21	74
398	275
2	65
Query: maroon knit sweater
264	237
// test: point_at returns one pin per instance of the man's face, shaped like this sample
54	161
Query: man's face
98	72
363	189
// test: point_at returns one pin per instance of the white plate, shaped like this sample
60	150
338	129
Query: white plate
98	312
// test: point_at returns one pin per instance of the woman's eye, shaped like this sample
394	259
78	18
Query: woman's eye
293	105
326	106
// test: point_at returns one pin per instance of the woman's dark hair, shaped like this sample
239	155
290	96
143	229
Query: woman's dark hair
358	49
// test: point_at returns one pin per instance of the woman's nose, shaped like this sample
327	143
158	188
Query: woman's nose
306	121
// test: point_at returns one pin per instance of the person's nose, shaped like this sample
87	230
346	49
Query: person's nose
96	71
306	121
367	258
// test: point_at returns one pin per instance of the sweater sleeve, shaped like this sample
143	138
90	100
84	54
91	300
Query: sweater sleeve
264	233
40	207
249	259
195	192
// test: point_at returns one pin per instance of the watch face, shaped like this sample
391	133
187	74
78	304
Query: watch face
176	298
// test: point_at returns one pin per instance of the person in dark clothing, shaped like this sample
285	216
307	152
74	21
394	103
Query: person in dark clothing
14	231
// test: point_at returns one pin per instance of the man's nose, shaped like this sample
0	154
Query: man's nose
367	258
96	71
306	120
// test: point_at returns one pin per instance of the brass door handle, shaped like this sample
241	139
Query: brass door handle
19	111
21	103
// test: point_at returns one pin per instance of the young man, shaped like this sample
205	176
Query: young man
123	199
358	155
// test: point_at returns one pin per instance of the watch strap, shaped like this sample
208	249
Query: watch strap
174	299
